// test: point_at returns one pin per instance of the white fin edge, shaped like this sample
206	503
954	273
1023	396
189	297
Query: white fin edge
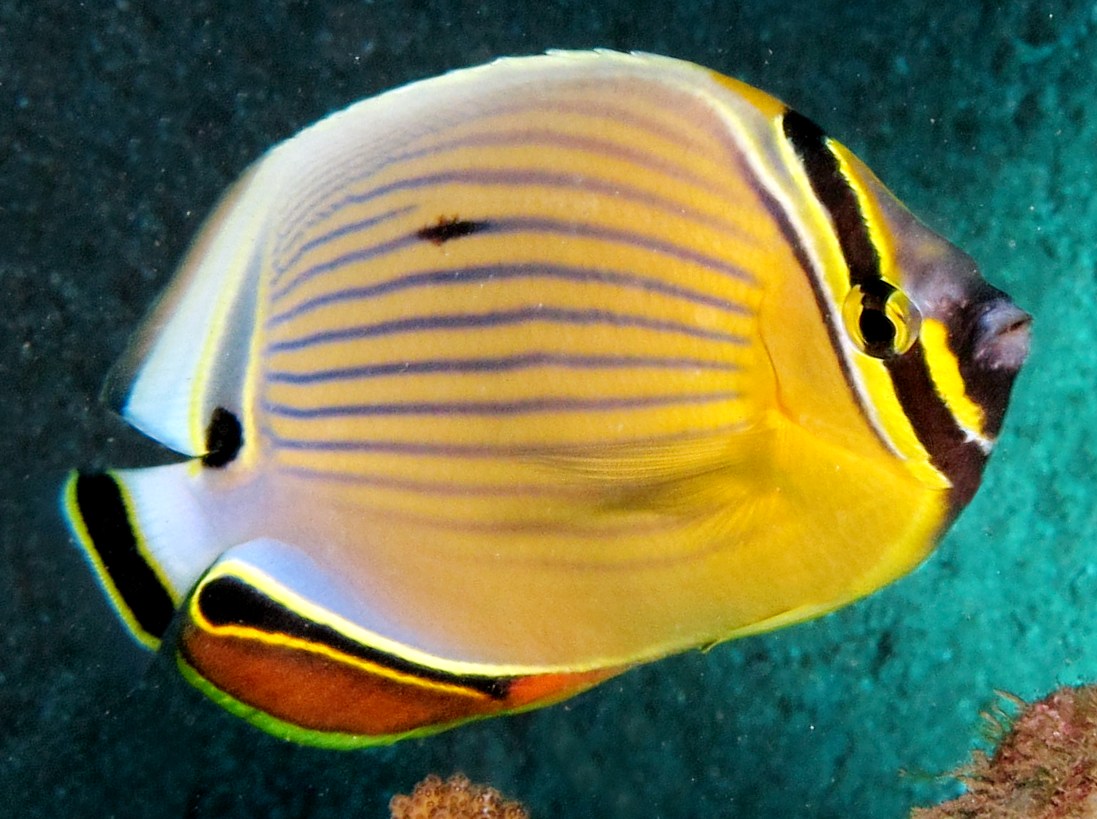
182	362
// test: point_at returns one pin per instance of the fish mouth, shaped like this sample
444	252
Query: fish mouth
991	342
1002	336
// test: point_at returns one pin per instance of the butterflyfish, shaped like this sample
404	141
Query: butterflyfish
500	383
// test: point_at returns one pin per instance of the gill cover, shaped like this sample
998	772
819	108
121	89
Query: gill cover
931	348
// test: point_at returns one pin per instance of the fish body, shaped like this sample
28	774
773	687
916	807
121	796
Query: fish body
500	383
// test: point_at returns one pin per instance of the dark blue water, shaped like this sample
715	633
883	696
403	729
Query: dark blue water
120	124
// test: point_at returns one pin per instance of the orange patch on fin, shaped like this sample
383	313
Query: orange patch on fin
545	689
318	692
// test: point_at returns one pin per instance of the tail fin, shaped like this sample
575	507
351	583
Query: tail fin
146	535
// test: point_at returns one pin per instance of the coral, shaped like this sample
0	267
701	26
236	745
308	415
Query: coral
455	798
1045	765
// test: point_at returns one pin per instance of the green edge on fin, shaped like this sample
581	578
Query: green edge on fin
281	729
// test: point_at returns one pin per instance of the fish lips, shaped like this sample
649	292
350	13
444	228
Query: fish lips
991	337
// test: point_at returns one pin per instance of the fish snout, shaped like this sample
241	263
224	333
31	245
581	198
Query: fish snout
1002	336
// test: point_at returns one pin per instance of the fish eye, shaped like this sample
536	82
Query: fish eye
880	319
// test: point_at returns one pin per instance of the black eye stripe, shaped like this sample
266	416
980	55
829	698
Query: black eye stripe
834	192
950	451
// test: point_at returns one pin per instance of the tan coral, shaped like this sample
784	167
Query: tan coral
1045	766
455	798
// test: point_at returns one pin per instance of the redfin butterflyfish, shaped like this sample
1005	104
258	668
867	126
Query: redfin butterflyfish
498	384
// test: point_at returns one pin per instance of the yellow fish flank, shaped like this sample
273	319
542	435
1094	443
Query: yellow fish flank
502	382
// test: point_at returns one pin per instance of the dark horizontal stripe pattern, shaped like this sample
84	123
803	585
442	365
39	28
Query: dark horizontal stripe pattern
498	177
497	318
606	295
348	229
499	364
527	225
418	448
441	487
519	406
501	272
329	186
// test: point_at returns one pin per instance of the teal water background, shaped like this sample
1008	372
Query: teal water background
120	124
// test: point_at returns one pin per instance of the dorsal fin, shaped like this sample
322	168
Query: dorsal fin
190	355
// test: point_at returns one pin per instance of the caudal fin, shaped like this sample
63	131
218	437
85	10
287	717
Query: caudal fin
144	532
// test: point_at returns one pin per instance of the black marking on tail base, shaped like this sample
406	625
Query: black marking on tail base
229	600
112	536
224	437
450	228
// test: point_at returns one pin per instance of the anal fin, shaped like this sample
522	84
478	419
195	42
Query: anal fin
298	667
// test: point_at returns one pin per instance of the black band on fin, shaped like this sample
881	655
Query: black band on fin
113	537
230	600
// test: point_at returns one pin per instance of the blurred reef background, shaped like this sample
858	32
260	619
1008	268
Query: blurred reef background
122	121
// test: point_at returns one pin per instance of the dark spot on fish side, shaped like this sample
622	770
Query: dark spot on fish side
450	228
224	437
